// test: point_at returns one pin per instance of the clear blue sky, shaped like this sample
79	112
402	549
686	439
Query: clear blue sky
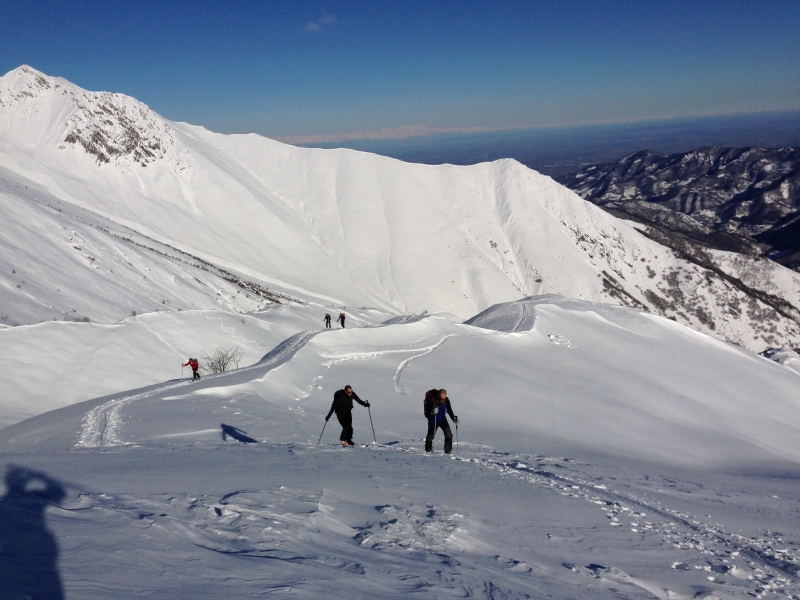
290	68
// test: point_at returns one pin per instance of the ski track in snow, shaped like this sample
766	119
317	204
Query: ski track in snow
233	335
402	366
407	546
767	562
523	315
101	425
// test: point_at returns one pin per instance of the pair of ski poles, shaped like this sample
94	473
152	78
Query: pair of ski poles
370	422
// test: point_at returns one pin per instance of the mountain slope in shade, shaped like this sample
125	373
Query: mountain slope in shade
355	229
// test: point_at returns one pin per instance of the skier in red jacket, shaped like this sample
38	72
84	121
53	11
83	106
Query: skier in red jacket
192	362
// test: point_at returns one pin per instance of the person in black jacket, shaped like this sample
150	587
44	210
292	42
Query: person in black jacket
436	411
343	406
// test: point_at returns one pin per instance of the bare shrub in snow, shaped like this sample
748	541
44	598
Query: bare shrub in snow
222	360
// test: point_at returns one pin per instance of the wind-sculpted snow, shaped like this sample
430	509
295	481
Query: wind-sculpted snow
102	425
607	379
87	360
601	453
352	229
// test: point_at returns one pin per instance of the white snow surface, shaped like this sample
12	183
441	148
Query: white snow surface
603	452
340	227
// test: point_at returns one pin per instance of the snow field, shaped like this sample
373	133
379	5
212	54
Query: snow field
55	364
604	452
354	229
673	485
217	519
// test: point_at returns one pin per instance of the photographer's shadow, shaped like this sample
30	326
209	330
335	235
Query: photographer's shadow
28	551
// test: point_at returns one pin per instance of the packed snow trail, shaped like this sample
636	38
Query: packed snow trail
676	484
238	519
101	426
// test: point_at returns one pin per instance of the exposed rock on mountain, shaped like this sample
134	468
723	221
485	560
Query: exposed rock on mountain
335	226
739	199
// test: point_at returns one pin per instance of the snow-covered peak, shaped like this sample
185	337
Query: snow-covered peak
344	227
46	112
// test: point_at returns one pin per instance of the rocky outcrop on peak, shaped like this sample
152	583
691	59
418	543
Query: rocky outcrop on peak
737	199
112	128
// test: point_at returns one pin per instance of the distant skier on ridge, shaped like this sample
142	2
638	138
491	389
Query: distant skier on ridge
343	406
192	362
327	321
341	319
437	407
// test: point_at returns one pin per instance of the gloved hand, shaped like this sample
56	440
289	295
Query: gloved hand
366	403
328	417
455	418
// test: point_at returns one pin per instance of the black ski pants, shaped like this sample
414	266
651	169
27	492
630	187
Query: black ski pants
195	375
346	421
448	435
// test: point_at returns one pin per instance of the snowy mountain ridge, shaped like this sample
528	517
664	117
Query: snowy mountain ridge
111	127
348	228
601	451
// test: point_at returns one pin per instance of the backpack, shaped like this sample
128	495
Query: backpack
429	404
194	364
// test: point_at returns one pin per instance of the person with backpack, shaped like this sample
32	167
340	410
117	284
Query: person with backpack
437	407
192	362
343	406
327	321
341	319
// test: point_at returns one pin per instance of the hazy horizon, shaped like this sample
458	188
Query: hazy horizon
559	150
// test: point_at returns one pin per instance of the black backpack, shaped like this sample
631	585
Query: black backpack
429	404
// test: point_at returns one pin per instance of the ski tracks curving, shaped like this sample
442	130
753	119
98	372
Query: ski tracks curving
102	425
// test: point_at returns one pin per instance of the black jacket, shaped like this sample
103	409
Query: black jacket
344	403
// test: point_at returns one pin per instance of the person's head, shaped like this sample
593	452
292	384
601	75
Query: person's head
348	390
442	394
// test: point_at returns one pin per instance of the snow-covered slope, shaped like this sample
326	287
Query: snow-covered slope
350	228
604	452
61	262
55	364
541	374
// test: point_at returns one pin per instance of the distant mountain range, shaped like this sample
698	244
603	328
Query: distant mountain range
738	199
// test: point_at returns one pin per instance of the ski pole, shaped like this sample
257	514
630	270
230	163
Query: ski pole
323	431
456	439
373	426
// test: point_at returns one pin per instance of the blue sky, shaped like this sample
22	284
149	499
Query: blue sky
308	68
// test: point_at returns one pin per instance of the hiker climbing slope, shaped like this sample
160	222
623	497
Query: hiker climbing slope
192	362
437	407
341	319
327	321
343	406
